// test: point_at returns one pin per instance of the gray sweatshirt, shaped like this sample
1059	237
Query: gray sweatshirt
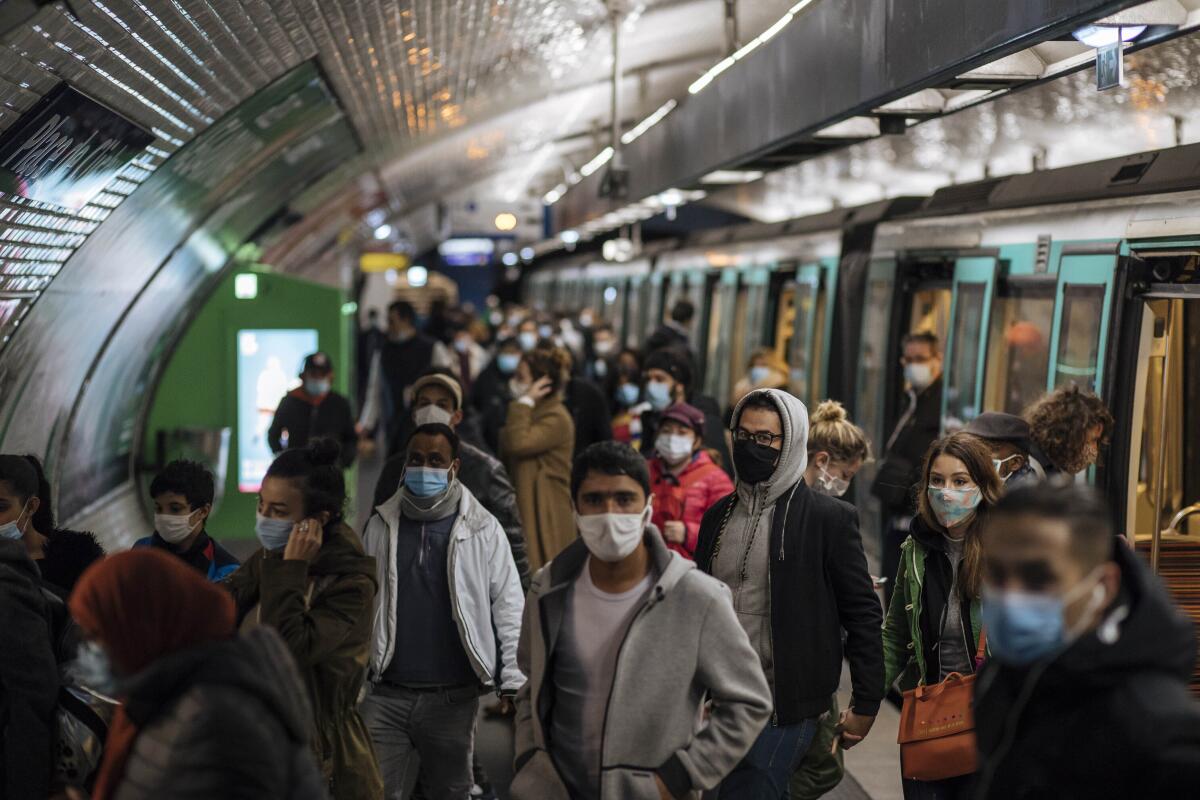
683	645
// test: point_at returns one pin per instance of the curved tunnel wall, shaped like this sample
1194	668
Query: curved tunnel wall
79	371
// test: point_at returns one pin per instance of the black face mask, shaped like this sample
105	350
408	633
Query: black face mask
754	462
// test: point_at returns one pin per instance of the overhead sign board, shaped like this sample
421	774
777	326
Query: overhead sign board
1110	67
382	262
67	148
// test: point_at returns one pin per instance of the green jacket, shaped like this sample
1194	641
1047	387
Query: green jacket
323	611
904	652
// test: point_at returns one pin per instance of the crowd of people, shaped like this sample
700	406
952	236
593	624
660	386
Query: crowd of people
659	591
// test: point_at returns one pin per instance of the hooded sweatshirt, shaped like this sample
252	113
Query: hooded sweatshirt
741	562
795	563
1110	717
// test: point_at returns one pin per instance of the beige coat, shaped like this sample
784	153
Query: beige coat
536	445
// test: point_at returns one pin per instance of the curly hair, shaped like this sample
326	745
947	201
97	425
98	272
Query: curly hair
1059	423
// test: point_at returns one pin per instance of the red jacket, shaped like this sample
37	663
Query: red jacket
701	484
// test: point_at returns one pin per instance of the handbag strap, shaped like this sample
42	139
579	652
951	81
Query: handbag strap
981	651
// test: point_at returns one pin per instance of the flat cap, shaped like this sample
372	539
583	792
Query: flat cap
1000	427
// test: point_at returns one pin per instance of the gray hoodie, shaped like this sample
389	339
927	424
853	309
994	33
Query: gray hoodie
743	561
683	645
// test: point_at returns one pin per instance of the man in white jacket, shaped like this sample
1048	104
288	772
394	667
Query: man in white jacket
448	592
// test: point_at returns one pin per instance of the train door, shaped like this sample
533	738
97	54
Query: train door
654	288
1084	300
750	321
815	287
634	310
963	369
721	337
781	325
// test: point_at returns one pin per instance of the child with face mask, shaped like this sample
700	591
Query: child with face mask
934	619
683	478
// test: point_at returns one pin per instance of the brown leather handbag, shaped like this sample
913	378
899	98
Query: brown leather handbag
937	727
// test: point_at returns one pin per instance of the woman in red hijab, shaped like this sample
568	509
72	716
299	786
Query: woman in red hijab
205	713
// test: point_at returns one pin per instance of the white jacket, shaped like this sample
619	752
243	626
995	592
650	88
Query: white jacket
485	591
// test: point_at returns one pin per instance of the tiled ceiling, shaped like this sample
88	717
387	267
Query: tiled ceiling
496	82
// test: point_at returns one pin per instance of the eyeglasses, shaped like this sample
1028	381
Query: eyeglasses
765	439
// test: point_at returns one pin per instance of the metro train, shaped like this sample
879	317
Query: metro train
1087	274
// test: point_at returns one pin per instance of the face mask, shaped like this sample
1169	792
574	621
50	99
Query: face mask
545	331
586	320
831	484
628	394
462	345
93	669
402	336
612	537
674	448
273	534
952	506
528	340
658	394
754	462
601	368
1000	462
431	415
317	388
174	528
507	363
603	347
517	388
1024	627
759	374
426	481
13	530
919	376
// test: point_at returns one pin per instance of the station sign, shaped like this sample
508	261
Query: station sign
67	148
1110	67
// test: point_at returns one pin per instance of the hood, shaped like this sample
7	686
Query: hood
343	554
14	556
257	663
793	459
1144	632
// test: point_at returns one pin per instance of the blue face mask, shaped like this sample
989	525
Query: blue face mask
273	533
628	394
658	395
93	669
317	388
759	374
14	530
426	481
1024	627
528	340
952	506
507	363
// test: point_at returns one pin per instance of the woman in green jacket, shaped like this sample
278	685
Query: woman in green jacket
932	625
312	582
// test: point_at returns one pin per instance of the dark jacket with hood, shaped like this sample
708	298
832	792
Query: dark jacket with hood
817	579
1110	717
305	417
28	679
323	612
228	720
485	478
68	554
589	410
901	466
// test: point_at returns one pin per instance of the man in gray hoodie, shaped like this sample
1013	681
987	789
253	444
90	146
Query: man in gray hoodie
623	641
795	564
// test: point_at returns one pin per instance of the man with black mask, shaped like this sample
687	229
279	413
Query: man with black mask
795	564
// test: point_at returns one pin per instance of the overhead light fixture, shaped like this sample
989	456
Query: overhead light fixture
708	77
245	286
671	198
527	254
554	195
649	122
505	221
852	128
418	276
730	176
569	237
383	232
1098	36
602	158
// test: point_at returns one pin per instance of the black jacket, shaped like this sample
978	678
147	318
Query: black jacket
68	554
1100	720
28	679
901	466
490	398
401	363
228	720
667	337
935	595
485	477
589	410
820	585
303	418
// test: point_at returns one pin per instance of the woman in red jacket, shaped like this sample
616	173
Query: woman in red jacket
684	480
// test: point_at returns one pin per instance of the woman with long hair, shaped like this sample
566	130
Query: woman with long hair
933	623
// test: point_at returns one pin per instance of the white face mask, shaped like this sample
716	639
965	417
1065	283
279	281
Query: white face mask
431	415
674	447
919	376
603	347
612	537
830	484
175	528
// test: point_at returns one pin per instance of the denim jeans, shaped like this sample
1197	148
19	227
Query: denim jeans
427	730
765	771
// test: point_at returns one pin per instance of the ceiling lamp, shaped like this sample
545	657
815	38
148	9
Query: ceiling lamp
1098	36
506	221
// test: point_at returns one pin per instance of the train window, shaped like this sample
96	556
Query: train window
962	400
801	355
873	357
1019	346
633	316
1079	336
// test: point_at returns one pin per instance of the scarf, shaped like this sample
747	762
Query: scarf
427	509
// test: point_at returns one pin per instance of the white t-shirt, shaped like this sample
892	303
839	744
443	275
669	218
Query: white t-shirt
594	626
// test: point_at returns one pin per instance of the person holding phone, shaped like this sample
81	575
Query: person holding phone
536	445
